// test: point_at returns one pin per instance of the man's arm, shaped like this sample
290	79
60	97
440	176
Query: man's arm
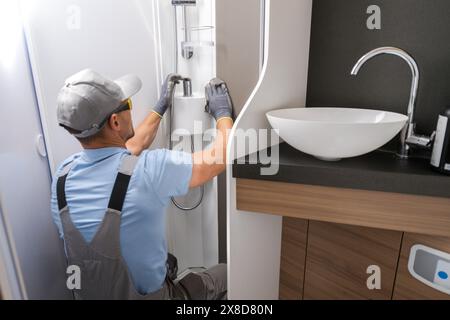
210	163
145	134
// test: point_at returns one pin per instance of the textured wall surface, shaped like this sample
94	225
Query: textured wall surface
340	37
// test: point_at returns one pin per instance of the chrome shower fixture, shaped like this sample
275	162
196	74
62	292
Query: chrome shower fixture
187	87
187	51
184	2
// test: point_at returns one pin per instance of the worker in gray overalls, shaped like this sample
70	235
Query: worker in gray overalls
109	200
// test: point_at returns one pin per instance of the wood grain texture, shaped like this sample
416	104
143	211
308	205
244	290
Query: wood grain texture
338	258
381	210
407	287
293	256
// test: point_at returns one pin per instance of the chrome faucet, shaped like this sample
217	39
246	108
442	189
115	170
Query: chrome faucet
408	136
187	87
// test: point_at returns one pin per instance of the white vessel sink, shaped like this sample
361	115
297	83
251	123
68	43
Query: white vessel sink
332	134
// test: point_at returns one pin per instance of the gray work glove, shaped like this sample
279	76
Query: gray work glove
219	103
167	92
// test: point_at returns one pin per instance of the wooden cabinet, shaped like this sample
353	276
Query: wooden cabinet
407	287
338	257
332	235
326	261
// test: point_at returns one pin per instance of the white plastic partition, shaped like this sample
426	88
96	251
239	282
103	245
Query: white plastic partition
254	240
32	263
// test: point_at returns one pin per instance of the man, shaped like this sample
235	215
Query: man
109	201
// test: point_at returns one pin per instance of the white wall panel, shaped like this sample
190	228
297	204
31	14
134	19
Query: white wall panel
33	265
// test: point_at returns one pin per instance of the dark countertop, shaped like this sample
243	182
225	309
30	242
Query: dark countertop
377	171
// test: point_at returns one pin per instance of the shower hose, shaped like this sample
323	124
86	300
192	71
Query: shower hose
202	188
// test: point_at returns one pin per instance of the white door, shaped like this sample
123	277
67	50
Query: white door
31	256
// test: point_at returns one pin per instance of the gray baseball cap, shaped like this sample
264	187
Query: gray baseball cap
88	99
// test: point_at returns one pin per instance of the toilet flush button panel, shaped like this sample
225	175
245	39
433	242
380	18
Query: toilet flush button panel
442	277
431	267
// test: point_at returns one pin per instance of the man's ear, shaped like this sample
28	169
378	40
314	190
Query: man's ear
114	122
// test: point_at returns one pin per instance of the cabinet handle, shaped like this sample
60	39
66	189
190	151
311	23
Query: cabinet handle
40	146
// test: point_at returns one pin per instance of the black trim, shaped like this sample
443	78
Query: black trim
61	192
119	192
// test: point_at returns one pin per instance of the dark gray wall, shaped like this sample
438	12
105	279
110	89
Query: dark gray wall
340	37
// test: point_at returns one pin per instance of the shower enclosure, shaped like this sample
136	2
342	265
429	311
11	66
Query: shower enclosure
193	234
149	38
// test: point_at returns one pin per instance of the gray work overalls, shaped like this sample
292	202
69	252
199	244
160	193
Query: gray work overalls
104	273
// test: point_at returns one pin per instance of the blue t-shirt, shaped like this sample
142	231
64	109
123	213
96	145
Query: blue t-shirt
158	176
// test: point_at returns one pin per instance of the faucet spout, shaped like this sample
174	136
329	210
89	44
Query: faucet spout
187	87
408	131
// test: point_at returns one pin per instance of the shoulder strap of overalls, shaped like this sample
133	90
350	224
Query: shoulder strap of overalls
120	189
61	186
73	240
123	178
107	237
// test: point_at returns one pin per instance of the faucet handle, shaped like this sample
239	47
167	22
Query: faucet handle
433	138
421	141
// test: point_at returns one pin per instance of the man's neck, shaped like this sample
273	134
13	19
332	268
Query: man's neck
102	145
